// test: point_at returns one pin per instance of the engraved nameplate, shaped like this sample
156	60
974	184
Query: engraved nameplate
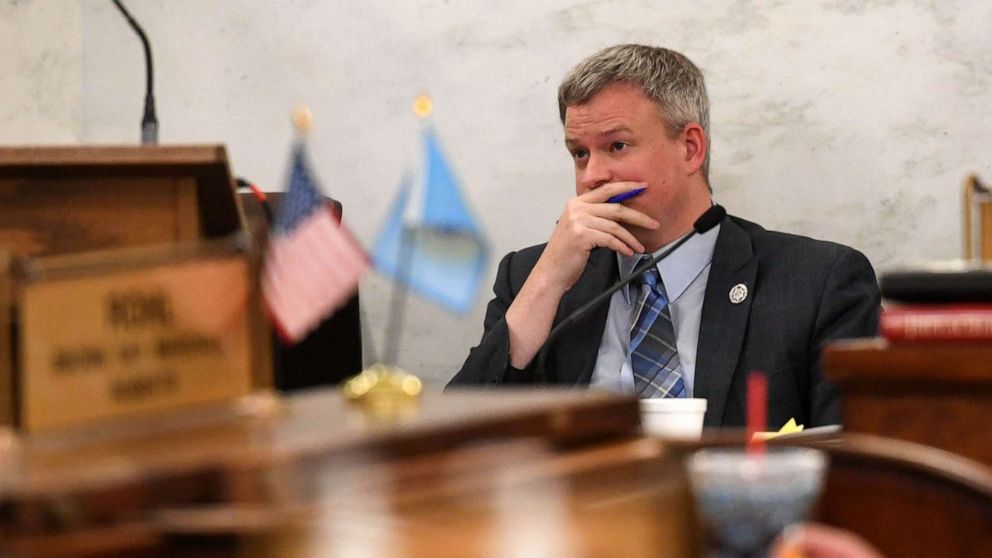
134	339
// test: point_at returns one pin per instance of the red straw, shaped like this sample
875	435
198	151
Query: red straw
757	410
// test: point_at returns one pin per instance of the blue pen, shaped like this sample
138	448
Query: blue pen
625	196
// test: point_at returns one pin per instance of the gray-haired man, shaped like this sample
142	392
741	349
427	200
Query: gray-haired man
736	299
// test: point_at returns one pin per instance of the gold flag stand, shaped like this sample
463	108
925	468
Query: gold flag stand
383	388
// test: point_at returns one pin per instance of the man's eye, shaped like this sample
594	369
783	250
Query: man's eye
579	154
619	146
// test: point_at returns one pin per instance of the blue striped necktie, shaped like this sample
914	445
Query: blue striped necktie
653	355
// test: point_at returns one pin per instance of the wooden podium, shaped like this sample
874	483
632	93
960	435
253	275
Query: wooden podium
936	394
66	200
122	283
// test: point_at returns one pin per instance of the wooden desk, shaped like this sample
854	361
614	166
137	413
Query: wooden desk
933	394
461	474
510	498
490	473
907	499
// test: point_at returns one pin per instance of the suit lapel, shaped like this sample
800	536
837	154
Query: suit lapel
576	350
723	324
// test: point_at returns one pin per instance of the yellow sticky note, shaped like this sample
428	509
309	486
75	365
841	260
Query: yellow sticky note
789	427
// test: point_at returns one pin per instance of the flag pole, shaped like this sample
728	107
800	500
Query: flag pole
384	388
397	303
422	107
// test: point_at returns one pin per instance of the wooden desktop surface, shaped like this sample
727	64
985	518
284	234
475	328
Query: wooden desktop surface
470	473
937	394
313	424
459	474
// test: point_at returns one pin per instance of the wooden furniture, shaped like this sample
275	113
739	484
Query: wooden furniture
471	473
977	220
908	499
503	498
260	468
133	218
7	411
60	200
937	394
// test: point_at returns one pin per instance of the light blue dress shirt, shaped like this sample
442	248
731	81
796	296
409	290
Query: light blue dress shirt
685	273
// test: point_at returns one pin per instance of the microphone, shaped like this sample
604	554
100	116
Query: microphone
149	123
709	219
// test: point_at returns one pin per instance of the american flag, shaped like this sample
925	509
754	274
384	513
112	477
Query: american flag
313	263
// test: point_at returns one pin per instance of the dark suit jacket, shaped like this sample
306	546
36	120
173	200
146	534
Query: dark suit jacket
801	294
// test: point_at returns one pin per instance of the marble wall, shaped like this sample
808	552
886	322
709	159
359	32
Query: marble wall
851	120
41	72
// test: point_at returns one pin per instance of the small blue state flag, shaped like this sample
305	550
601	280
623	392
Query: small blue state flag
313	264
430	241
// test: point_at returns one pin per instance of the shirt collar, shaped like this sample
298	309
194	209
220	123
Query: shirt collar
681	267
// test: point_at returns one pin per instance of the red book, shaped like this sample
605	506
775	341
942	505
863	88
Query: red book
938	322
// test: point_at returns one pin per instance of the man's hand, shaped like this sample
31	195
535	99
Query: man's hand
588	222
815	540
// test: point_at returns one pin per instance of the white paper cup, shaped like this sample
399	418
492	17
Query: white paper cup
673	417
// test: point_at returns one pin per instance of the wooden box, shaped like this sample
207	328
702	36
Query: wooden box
98	244
62	200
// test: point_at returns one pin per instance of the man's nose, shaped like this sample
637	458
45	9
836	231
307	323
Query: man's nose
597	172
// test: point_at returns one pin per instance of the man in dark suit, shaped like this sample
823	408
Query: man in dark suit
735	299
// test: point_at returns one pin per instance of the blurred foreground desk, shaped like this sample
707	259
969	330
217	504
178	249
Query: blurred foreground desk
536	473
937	394
906	499
466	474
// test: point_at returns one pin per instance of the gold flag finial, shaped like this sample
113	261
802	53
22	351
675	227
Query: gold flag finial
423	106
302	119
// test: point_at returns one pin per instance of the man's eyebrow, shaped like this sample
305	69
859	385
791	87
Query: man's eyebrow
607	132
616	129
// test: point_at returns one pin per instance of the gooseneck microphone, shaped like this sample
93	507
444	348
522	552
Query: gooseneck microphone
259	195
149	123
709	219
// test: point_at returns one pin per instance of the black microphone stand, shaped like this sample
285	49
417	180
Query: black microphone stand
149	123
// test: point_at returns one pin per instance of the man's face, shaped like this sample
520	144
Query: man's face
619	136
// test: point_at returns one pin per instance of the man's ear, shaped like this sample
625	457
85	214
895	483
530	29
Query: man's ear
696	145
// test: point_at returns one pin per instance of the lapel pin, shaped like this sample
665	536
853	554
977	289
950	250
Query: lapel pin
738	293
